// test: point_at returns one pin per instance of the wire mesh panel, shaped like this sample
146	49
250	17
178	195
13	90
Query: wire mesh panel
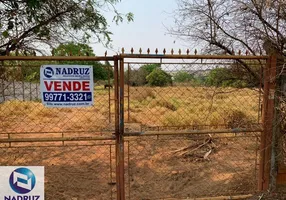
191	127
21	109
212	101
199	94
75	145
71	172
162	167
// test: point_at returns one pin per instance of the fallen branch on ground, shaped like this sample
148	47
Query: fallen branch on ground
185	150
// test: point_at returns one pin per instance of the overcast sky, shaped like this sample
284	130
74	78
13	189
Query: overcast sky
151	17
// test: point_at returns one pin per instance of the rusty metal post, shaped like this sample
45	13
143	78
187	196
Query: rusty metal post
23	82
267	120
109	100
2	88
116	102
119	127
121	131
128	88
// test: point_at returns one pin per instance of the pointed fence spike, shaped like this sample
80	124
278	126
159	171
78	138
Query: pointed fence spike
105	53
148	51
122	50
188	51
132	50
156	51
180	51
172	51
164	51
239	52
196	51
232	52
140	50
247	52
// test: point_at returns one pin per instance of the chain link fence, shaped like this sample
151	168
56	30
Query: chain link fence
75	145
71	172
196	95
21	109
192	166
192	128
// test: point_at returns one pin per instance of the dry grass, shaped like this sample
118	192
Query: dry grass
169	106
142	93
188	106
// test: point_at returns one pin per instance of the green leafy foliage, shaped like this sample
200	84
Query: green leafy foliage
158	77
29	71
224	77
100	71
5	34
183	77
138	77
148	68
30	22
75	49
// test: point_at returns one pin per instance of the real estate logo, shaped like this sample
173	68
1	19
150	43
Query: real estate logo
22	180
21	183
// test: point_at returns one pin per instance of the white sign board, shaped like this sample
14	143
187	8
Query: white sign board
22	182
66	85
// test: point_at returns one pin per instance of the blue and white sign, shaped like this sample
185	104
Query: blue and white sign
66	85
21	183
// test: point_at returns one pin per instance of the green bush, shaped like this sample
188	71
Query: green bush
138	77
224	77
158	77
183	77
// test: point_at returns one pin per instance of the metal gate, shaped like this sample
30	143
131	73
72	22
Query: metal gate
76	145
166	127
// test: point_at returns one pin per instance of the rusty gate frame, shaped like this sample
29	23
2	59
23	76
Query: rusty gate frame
269	83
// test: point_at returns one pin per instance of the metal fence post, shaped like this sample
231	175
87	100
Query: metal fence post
128	90
119	127
267	120
2	88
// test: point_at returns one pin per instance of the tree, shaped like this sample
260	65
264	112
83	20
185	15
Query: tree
158	77
183	77
100	71
25	24
71	48
148	68
138	77
222	26
231	76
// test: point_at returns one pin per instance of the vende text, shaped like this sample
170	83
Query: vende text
67	85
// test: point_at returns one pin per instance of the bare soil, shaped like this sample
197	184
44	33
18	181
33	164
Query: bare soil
155	169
